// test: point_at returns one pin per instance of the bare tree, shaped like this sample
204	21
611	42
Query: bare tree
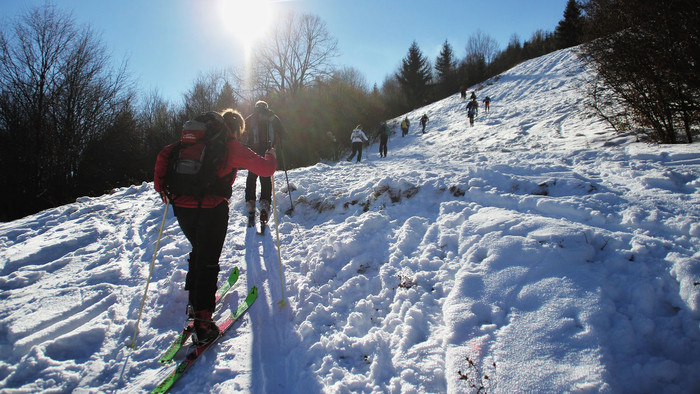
647	57
353	77
481	50
212	91
158	123
481	46
299	51
57	93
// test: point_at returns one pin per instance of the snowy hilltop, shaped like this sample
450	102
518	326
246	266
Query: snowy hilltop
534	252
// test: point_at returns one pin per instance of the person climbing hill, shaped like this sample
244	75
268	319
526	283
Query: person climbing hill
384	132
472	111
405	124
357	138
263	130
199	192
423	121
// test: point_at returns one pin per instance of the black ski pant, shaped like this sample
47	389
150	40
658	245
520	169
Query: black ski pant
251	183
265	181
205	228
383	140
356	148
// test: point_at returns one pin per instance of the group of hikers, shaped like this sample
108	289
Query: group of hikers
201	202
358	136
473	105
405	124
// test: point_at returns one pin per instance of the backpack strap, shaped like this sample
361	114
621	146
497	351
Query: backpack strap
172	161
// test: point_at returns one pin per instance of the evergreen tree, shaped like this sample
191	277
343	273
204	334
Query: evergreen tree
446	71
414	76
569	32
226	98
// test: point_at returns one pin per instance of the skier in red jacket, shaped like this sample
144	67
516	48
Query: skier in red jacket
205	222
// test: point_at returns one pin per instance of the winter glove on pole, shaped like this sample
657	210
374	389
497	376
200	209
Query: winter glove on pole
283	302
132	345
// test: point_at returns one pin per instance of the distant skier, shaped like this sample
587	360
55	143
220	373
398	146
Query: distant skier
384	132
473	96
263	130
357	138
405	124
472	111
423	121
463	92
487	103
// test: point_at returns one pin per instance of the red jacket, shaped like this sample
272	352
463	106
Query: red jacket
238	156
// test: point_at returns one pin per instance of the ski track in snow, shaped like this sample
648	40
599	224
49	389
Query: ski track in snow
553	253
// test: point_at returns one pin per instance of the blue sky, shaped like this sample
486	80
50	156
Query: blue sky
168	43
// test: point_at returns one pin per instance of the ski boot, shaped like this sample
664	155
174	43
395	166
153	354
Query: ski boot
250	207
264	214
205	330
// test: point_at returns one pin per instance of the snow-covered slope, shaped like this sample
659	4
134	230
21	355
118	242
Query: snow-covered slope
536	247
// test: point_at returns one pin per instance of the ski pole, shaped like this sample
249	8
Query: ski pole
132	345
282	302
289	190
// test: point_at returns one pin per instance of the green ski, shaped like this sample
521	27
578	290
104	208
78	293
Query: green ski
224	325
181	339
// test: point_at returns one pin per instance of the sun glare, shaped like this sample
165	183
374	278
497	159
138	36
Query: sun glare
247	20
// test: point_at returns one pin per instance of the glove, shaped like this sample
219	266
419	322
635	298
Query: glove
272	152
164	197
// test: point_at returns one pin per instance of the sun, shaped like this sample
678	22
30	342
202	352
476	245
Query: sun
247	20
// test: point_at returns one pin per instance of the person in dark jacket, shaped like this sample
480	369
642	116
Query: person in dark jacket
472	110
205	221
424	121
263	131
384	132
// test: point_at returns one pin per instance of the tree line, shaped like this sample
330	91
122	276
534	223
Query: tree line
71	124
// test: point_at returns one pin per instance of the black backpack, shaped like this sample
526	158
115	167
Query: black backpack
193	162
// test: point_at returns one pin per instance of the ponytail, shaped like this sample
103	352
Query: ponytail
234	121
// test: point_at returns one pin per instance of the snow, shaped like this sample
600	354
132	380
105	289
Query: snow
537	247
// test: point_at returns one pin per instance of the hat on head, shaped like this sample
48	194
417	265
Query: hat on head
260	106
